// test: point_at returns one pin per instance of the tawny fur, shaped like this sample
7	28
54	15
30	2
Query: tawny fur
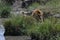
38	14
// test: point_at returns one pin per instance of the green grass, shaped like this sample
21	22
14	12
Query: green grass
49	28
33	6
52	6
31	22
54	3
3	6
6	8
27	25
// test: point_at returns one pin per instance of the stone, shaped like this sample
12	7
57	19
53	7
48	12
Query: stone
56	15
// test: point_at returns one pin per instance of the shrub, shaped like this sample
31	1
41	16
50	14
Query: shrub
38	32
35	36
17	25
45	31
4	10
5	14
20	25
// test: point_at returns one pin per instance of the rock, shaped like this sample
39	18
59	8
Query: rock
56	15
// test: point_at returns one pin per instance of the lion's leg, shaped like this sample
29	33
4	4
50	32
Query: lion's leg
42	19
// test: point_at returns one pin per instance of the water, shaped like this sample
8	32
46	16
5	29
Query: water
2	31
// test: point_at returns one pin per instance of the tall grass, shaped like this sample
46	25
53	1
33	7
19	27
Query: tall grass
4	9
20	25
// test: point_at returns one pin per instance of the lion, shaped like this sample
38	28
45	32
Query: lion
38	14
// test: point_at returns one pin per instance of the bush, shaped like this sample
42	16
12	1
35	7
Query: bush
5	13
17	25
4	10
35	36
47	30
20	25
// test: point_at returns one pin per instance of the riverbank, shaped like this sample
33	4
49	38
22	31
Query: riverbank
17	38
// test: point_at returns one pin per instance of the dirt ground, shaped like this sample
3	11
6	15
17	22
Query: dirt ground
17	38
2	20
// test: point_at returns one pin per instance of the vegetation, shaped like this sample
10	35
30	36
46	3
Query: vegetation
4	10
19	25
33	6
51	5
5	13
